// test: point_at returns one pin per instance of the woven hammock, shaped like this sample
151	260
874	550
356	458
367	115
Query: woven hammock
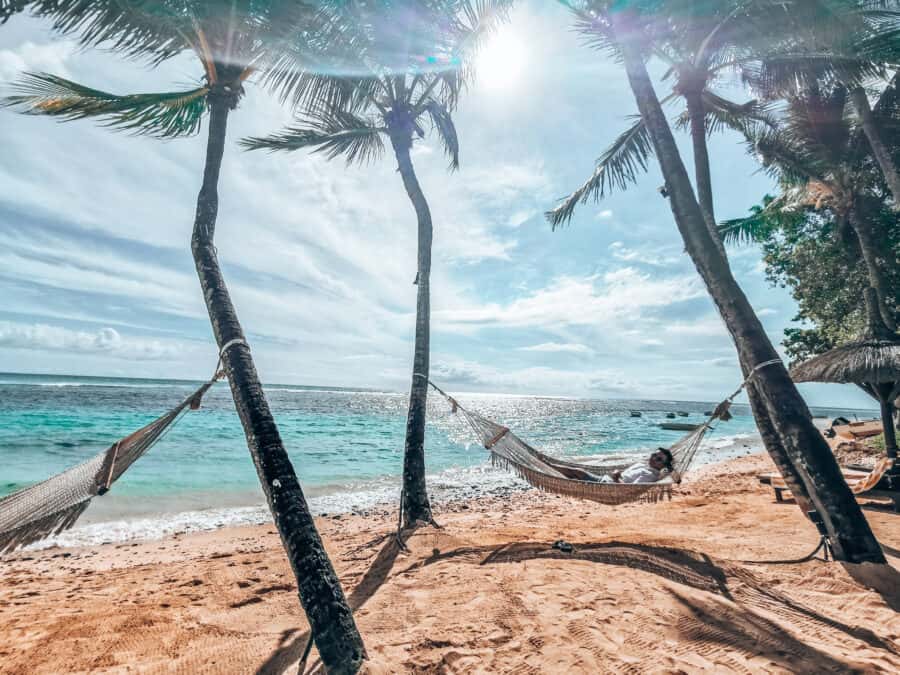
577	479
52	506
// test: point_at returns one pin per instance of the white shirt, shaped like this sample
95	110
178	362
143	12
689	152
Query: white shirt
636	473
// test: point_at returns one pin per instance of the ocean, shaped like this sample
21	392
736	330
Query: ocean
346	446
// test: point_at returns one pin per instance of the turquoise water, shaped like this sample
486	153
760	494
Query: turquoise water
341	441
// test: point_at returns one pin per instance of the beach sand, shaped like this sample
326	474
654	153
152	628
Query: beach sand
649	588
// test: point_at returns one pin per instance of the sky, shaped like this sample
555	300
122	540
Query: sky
96	276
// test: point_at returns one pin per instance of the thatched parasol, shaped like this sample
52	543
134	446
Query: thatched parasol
872	361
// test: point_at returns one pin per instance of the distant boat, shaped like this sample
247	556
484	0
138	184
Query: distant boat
682	414
678	426
670	416
636	413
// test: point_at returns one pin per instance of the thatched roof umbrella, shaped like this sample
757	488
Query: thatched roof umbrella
872	361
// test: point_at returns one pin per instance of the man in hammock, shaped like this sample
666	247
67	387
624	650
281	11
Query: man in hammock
644	472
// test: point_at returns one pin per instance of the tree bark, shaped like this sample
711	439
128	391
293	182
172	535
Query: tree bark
887	422
876	142
843	522
703	174
877	263
331	621
415	503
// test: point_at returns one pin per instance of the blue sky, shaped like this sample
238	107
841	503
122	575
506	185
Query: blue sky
96	275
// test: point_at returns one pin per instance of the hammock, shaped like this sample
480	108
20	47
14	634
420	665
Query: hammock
49	507
577	479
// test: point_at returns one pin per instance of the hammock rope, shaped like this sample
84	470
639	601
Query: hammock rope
52	506
581	479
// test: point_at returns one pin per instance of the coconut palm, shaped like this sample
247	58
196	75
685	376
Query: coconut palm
627	28
850	43
413	57
231	40
819	152
698	42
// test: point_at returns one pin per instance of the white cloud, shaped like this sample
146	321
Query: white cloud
103	341
710	325
766	311
620	251
48	57
605	214
571	347
592	300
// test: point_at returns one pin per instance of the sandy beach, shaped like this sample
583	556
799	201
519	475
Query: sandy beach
648	588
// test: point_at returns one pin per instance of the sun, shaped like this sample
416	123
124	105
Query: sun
500	63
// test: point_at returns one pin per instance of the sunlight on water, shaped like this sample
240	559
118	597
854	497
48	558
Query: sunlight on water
341	442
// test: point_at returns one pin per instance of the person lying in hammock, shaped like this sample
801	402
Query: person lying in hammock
644	472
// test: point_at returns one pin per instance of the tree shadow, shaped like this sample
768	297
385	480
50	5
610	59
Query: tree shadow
757	593
736	627
696	570
883	579
690	568
291	650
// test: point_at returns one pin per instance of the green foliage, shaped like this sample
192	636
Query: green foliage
402	66
165	115
698	41
332	132
618	166
807	251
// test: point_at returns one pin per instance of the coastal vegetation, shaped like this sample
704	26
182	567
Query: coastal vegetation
823	122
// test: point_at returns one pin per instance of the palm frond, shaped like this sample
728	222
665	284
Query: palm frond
755	228
153	29
10	7
617	167
723	114
164	115
442	123
332	132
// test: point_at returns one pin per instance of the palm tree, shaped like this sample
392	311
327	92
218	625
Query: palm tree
413	57
849	534
697	42
848	43
231	40
818	151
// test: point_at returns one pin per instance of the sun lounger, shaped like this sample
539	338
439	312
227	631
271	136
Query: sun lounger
862	483
856	430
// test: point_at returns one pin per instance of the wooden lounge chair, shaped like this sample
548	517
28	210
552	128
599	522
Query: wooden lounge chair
857	430
862	482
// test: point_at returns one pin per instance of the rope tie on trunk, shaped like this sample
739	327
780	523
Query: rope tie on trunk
228	345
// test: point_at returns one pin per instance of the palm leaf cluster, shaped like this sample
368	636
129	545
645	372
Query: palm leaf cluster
400	68
165	115
231	39
697	41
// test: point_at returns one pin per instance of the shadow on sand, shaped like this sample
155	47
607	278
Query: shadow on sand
294	644
736	623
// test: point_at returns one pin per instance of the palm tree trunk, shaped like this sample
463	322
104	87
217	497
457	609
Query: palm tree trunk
876	142
703	178
887	422
876	263
702	175
842	519
331	621
415	503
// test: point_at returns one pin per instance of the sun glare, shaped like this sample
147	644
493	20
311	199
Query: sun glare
500	63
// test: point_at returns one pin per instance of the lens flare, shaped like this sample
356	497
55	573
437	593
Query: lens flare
500	63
